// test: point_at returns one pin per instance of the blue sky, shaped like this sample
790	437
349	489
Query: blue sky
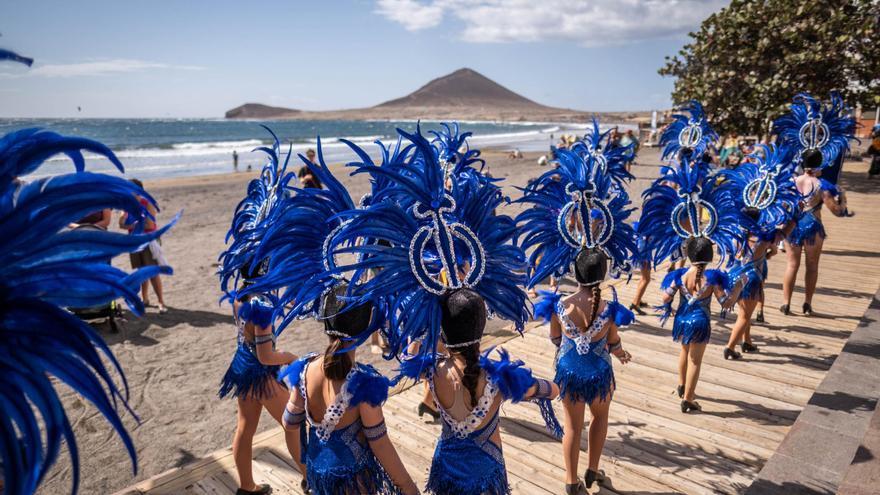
199	59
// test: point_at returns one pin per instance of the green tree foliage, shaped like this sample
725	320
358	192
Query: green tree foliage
749	59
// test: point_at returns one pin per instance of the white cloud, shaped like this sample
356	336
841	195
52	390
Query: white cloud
95	68
594	22
411	14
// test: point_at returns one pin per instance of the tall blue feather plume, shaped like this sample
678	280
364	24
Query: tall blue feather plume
14	57
45	268
690	133
810	124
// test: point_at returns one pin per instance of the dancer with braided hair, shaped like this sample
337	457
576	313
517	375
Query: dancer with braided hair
577	222
672	214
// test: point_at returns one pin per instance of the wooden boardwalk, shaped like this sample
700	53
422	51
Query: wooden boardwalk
652	448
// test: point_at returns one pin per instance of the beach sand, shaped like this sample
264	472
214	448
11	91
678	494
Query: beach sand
174	362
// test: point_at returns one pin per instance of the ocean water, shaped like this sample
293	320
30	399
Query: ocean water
157	148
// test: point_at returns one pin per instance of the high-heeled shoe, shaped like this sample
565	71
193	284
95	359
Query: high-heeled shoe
759	318
591	477
680	391
575	488
731	354
785	309
749	347
808	309
637	309
424	408
688	406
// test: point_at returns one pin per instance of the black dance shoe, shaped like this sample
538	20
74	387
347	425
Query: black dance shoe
808	309
680	391
749	347
759	318
731	354
261	490
591	477
637	309
304	486
576	489
688	406
785	309
424	408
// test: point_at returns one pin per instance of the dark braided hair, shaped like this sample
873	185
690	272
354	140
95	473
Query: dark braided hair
590	267
700	252
463	320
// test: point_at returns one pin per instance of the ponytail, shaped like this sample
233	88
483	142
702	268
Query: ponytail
597	298
471	376
336	364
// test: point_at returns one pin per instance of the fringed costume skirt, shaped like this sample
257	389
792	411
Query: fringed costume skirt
752	275
247	378
584	377
807	229
691	324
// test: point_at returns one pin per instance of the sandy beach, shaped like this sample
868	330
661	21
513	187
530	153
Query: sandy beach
174	362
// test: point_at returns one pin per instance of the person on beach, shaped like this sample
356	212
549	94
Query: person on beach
339	402
764	191
151	254
819	133
235	160
588	200
252	376
306	178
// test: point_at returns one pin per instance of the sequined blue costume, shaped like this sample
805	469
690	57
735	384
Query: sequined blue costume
466	460
808	224
692	324
246	377
339	460
583	365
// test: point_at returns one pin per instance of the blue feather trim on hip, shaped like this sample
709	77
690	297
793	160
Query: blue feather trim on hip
807	229
583	387
247	378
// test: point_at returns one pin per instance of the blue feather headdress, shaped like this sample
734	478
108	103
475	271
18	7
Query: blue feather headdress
252	218
454	153
380	186
811	125
436	241
690	133
579	192
299	242
611	160
14	57
672	212
44	269
767	185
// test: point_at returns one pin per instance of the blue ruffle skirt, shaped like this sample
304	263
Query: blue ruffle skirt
691	325
753	285
247	378
806	230
584	377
